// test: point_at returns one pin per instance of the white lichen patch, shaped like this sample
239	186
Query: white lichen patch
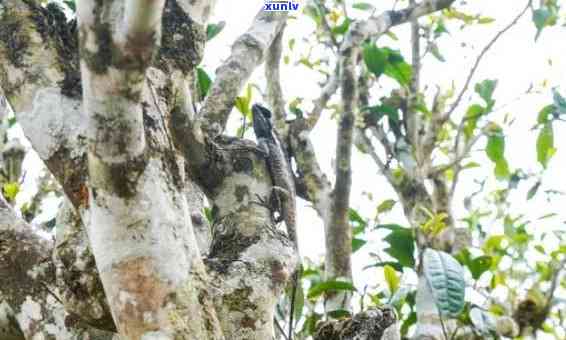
30	313
156	336
54	121
151	224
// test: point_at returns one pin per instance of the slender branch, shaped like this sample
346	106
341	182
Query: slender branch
275	96
412	119
320	104
142	18
459	157
377	25
322	8
480	57
554	283
338	234
247	53
377	160
199	10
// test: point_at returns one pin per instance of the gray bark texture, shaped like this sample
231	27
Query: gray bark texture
106	102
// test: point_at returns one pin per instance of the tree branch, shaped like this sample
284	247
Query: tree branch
275	96
247	53
479	59
377	25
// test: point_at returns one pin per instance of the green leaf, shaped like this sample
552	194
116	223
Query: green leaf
445	278
11	190
385	206
243	104
502	169
545	114
212	30
71	4
355	218
342	28
203	82
364	6
474	113
397	68
541	17
329	286
485	89
495	147
545	144
440	28
357	244
480	265
374	59
391	278
401	244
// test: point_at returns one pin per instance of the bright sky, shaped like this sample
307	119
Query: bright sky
516	61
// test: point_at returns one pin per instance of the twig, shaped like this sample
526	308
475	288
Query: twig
320	104
480	57
275	96
279	328
325	24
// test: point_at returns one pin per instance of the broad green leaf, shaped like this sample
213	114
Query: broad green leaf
71	4
495	151
364	6
391	278
445	277
397	68
11	190
375	59
541	18
329	286
474	113
355	218
401	244
439	28
501	169
408	322
480	265
357	243
545	114
243	103
545	144
485	89
203	82
495	147
375	113
212	30
385	206
342	28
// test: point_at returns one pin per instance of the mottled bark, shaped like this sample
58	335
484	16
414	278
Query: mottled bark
134	203
30	305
